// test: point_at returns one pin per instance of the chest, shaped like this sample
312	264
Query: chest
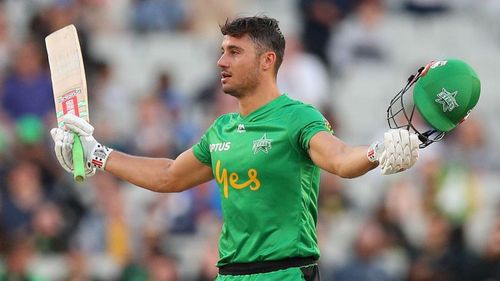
240	145
251	156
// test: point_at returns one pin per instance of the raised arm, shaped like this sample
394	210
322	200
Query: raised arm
397	152
156	174
333	155
160	174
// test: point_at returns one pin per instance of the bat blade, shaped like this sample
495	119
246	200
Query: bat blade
69	84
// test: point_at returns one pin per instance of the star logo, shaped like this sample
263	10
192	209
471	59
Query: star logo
447	99
262	144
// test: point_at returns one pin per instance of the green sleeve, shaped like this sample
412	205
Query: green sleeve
307	122
201	150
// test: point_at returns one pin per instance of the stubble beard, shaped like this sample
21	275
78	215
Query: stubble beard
247	85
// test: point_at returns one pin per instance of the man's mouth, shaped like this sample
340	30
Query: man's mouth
224	76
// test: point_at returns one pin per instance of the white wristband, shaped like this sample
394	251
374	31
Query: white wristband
374	151
100	156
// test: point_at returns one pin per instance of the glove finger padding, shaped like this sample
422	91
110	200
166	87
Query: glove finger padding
407	159
398	156
401	149
389	148
63	144
386	167
78	125
404	141
414	141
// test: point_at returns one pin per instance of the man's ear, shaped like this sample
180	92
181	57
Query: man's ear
268	60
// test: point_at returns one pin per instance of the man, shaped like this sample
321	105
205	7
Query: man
266	160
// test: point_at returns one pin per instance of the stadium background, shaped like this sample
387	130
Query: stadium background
154	88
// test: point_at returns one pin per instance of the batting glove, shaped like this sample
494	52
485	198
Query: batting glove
63	147
96	155
398	151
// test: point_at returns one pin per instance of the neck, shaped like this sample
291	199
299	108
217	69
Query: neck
259	97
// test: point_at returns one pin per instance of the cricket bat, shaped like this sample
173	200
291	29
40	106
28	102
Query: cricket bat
69	85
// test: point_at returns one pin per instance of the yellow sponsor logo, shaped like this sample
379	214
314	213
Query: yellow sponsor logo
227	179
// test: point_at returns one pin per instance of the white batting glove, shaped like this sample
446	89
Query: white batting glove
397	153
63	147
96	154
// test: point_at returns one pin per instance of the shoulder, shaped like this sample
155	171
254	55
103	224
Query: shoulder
298	108
303	115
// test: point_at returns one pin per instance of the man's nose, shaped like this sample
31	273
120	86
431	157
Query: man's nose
222	62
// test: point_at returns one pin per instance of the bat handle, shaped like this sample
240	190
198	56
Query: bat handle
78	161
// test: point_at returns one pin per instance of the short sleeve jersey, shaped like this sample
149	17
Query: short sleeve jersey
268	183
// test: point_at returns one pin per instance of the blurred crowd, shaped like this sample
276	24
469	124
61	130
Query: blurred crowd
438	221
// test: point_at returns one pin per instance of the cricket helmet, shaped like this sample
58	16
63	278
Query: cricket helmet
444	94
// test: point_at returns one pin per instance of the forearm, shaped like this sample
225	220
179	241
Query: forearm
355	162
149	173
334	156
398	152
156	174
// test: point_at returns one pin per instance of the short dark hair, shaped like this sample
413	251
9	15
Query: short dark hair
263	31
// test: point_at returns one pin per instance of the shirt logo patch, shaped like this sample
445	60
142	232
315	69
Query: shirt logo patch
438	63
241	128
263	144
447	99
223	146
228	179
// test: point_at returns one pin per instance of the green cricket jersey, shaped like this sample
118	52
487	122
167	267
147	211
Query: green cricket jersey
268	183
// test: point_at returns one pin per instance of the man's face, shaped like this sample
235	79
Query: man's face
240	65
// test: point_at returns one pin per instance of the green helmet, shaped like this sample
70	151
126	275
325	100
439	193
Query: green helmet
445	93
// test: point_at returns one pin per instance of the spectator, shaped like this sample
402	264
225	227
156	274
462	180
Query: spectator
368	248
437	259
48	230
112	105
154	136
159	15
21	199
18	256
487	266
426	7
6	43
318	17
303	76
28	89
359	38
106	230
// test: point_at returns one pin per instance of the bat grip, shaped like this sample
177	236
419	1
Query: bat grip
78	161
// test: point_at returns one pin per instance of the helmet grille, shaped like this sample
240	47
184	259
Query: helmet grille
401	113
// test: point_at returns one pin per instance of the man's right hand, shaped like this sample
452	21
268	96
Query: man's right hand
63	147
95	153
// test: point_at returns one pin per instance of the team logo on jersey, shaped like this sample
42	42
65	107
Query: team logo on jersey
438	63
241	128
447	99
263	144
